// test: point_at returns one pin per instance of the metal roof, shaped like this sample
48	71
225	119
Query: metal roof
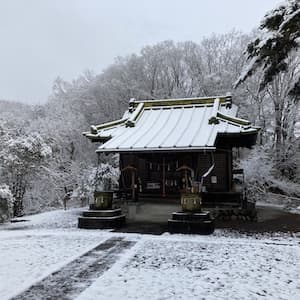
169	126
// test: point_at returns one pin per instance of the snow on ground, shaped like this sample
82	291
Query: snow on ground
280	201
202	268
31	250
56	219
219	266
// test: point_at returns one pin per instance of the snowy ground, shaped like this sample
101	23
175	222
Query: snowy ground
220	266
29	251
170	268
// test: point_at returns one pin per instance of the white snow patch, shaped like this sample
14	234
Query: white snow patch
157	267
30	251
202	268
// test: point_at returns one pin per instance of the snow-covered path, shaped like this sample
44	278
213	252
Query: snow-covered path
76	276
203	268
220	266
30	251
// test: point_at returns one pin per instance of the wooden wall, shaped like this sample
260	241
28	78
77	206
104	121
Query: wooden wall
150	170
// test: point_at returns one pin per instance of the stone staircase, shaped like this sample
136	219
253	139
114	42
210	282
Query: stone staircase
101	219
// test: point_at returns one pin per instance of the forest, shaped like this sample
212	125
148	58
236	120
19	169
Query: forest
43	152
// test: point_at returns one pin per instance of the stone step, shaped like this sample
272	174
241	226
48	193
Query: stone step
187	216
102	213
101	222
191	227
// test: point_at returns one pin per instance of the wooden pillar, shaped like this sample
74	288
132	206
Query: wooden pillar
164	177
133	184
230	166
186	180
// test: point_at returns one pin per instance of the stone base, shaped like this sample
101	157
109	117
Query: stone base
186	222
102	213
101	219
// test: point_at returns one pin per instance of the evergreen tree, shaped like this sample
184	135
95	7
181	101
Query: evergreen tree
279	36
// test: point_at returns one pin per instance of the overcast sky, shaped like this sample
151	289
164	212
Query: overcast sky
43	39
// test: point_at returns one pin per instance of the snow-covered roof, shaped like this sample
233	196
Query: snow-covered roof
171	124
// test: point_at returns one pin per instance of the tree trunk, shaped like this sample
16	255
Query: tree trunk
278	126
18	190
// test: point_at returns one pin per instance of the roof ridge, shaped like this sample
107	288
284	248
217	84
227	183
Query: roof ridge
227	99
233	119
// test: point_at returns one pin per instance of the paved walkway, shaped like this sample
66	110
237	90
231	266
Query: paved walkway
79	274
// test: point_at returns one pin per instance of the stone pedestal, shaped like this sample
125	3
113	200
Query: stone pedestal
189	222
101	214
101	219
